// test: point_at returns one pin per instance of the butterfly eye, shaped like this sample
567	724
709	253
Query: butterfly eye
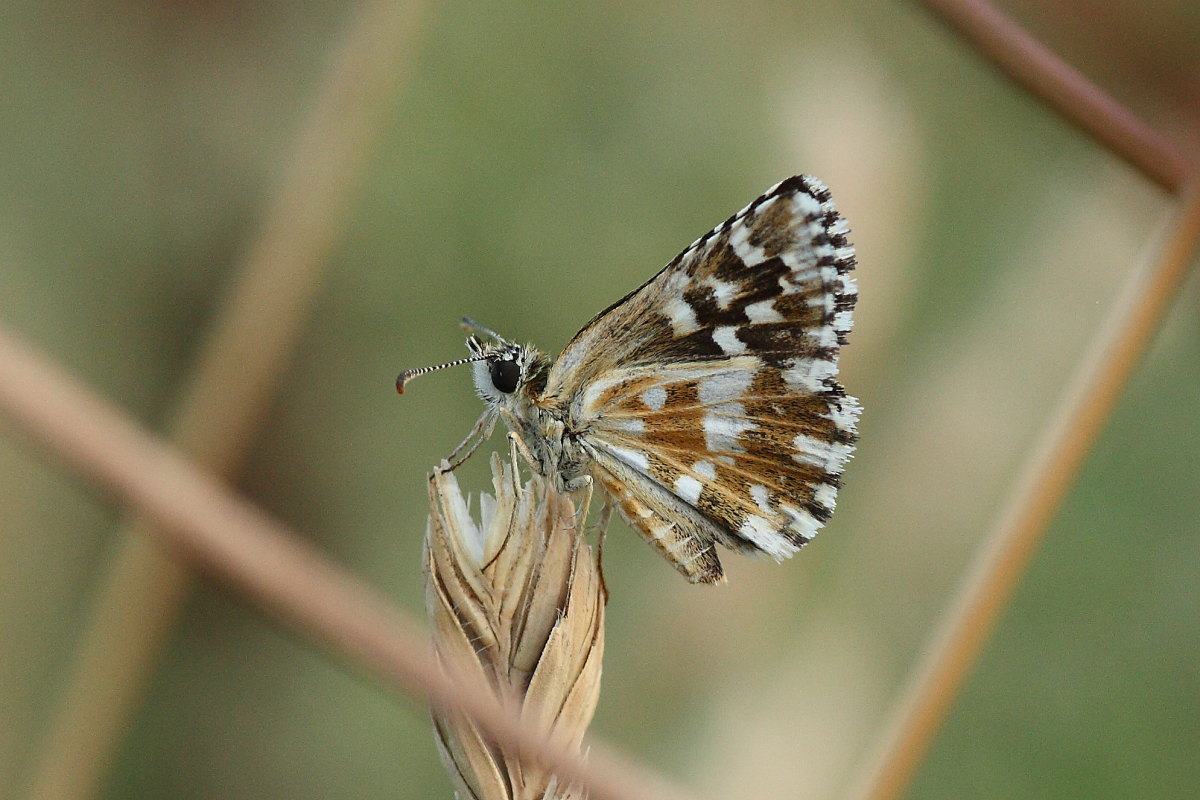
505	375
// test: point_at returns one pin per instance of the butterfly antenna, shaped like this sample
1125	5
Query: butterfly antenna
409	374
472	325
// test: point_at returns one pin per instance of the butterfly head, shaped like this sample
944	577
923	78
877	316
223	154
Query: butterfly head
505	372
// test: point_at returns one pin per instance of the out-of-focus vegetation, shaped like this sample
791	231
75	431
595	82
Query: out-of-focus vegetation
544	159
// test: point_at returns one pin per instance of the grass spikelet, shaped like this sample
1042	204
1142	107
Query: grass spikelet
516	602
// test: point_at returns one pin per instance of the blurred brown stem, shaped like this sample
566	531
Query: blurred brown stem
1047	76
236	374
1043	482
1083	410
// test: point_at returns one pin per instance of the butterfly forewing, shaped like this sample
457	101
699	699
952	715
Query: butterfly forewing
707	397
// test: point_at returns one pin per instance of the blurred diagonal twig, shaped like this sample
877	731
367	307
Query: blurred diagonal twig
228	538
1039	70
1086	404
236	373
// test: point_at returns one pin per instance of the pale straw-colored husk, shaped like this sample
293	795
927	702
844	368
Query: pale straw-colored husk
515	602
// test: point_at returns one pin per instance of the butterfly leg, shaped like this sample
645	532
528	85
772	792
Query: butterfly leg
581	516
603	517
479	433
588	484
519	444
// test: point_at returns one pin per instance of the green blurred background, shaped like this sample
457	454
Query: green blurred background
541	160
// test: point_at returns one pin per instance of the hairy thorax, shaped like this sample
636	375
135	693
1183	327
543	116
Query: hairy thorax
551	442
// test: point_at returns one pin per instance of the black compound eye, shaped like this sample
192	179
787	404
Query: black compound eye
505	375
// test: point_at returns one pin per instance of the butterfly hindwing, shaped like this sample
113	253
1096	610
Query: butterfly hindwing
728	441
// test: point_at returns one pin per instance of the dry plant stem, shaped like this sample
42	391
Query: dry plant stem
237	372
229	539
1089	400
1018	55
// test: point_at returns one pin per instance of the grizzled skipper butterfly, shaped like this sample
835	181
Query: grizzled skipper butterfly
705	402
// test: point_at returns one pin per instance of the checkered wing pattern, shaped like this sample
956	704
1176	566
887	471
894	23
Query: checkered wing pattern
707	398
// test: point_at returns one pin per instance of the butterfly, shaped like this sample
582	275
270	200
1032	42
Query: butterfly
704	403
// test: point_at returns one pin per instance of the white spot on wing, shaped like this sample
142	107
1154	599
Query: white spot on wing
802	522
763	311
762	534
808	375
826	495
682	316
705	469
762	498
598	387
845	413
726	339
725	386
821	301
824	336
808	273
723	425
739	240
830	456
655	398
633	425
688	488
724	292
806	205
660	531
634	458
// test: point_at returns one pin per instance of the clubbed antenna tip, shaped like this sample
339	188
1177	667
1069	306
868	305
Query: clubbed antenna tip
403	377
